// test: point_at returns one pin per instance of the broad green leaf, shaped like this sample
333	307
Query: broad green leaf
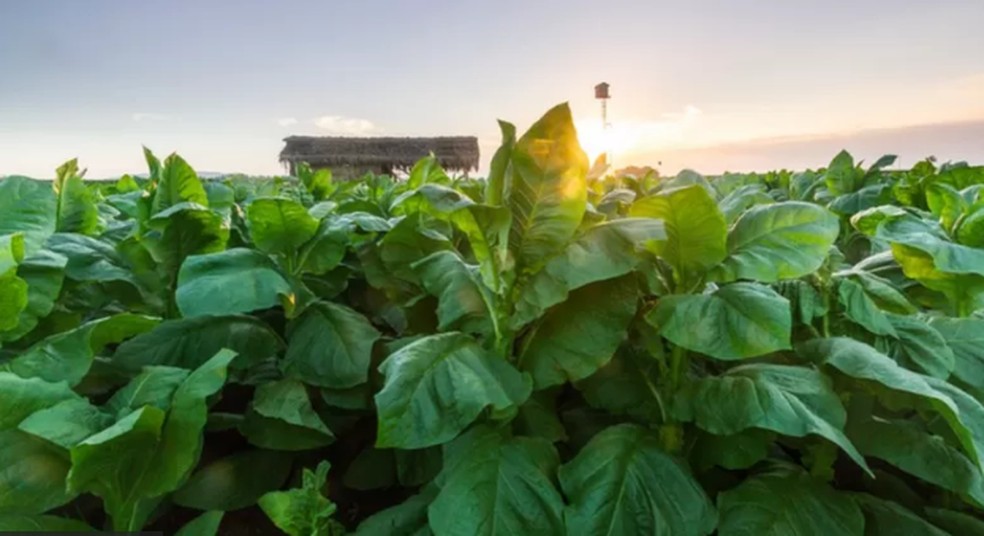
965	337
742	199
325	250
865	198
737	321
426	170
181	231
206	524
886	518
11	251
881	291
538	418
330	346
946	203
234	281
842	177
234	482
499	486
27	206
67	356
970	231
925	456
735	451
303	511
860	308
76	205
463	301
604	251
20	397
153	386
548	193
781	505
499	183
610	486
922	345
67	423
696	233
624	386
178	184
577	337
863	362
408	518
33	477
487	229
281	418
90	259
14	294
44	274
780	241
189	342
109	464
279	225
20	523
438	385
793	401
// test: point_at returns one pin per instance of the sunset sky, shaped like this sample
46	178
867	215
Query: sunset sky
709	85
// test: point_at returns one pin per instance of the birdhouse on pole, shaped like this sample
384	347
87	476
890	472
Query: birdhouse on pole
601	91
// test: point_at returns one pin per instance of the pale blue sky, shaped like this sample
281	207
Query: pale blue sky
222	82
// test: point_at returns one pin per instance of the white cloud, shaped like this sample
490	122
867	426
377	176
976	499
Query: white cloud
344	126
148	116
287	121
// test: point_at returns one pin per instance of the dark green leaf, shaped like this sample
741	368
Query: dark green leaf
234	281
330	346
234	482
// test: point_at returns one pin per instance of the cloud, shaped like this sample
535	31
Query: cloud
287	121
148	116
344	126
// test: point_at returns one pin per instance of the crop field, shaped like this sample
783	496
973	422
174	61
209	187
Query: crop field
540	352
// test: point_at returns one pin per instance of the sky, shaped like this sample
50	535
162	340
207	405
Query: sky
708	85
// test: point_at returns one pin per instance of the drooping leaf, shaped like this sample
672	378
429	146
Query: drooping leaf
965	338
738	321
922	345
44	274
20	397
66	423
610	486
793	401
886	518
498	486
860	308
33	477
330	346
438	385
27	206
779	241
76	205
779	505
580	335
234	281
281	418
463	302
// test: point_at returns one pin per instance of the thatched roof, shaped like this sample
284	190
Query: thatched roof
457	153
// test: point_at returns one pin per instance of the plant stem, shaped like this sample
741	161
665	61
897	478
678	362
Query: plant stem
677	357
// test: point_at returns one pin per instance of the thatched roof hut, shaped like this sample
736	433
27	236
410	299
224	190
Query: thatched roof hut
355	156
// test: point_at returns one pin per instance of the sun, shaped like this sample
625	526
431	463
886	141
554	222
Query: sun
596	140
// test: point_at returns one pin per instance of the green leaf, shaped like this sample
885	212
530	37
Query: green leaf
842	177
234	482
110	463
67	356
956	522
438	385
33	476
67	423
281	418
735	451
303	511
886	518
604	251
76	205
188	342
538	418
498	486
860	308
426	170
206	524
548	192
928	457
463	301
965	338
279	225
623	386
19	523
154	386
580	335
695	230
780	505
780	241
325	250
863	362
610	488
793	401
234	281
20	397
923	346
499	182
90	259
737	321
487	230
970	231
178	184
184	230
330	346
27	206
44	274
946	203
